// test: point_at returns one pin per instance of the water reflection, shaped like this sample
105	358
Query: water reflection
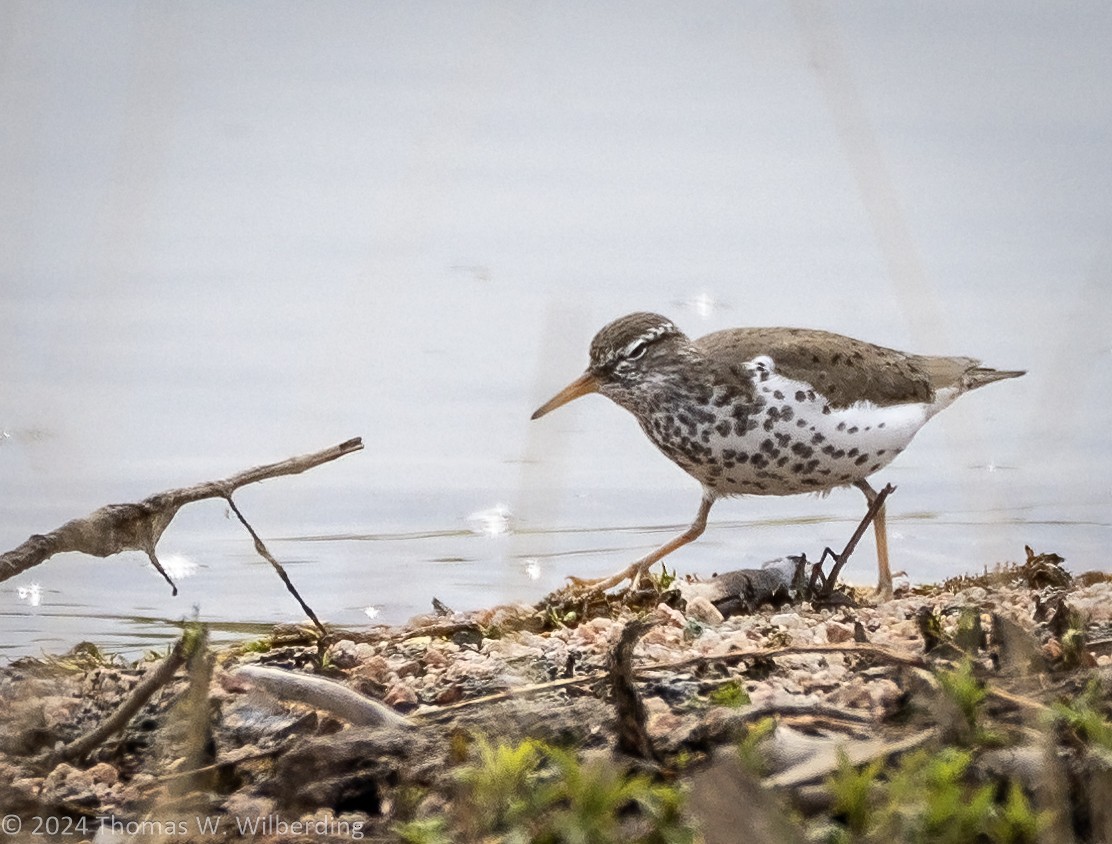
703	305
31	594
532	567
495	521
178	566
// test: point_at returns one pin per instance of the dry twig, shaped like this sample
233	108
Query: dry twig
155	679
830	580
138	527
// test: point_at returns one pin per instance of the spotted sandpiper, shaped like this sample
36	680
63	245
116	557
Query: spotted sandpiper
769	411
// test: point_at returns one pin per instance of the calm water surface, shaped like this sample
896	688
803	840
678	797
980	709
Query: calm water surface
219	250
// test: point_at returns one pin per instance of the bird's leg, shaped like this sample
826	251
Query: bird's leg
880	530
636	570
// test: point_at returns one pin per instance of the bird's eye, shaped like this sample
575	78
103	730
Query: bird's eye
637	350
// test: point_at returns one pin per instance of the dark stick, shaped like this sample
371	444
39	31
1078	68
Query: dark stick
633	737
843	558
265	554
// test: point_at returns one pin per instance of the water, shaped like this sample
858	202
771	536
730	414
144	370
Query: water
231	235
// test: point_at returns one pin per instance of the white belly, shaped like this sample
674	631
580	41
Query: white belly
796	442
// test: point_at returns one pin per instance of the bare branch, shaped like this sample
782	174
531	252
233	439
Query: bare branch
261	548
138	527
841	559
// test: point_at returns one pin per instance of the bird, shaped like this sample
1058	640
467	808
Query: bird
769	411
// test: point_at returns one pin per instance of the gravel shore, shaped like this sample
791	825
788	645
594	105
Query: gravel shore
369	736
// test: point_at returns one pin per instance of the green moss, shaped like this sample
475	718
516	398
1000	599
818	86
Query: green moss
969	635
852	790
968	694
533	792
425	831
1084	718
256	646
731	694
749	748
929	797
663	581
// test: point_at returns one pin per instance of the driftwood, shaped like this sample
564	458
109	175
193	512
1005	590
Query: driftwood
823	756
319	693
138	527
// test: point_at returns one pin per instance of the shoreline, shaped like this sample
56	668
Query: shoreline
763	703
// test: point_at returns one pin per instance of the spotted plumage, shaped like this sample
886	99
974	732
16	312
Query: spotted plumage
770	411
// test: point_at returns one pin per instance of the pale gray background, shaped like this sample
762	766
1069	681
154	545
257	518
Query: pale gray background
233	232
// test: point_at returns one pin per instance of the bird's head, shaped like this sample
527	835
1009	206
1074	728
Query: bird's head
624	354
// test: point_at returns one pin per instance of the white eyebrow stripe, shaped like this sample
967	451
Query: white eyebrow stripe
646	338
640	341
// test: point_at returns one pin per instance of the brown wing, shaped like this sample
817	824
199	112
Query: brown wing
842	369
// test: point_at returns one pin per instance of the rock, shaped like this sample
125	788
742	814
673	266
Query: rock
532	640
375	669
884	693
58	710
437	657
730	804
401	697
663	635
508	649
20	792
836	633
667	615
789	620
512	618
452	694
703	610
1052	650
660	722
357	767
244	805
973	595
853	694
596	633
342	654
103	773
472	669
67	784
408	668
556	652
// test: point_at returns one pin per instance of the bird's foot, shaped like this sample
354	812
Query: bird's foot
633	573
884	590
883	593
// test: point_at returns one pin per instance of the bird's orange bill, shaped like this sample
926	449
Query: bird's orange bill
585	383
